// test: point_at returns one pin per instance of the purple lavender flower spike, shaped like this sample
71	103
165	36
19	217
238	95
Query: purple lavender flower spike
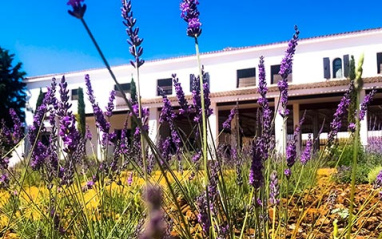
285	70
69	134
4	181
134	41
307	154
196	98
196	156
336	124
166	148
266	111
287	173
366	102
203	218
17	133
256	178
110	104
227	123
180	95
190	14
130	179
291	150
378	180
167	114
78	8
352	127
155	227
101	123
274	189
39	155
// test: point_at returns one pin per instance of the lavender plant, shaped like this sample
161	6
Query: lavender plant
99	198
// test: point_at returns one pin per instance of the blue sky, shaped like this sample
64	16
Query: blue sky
48	40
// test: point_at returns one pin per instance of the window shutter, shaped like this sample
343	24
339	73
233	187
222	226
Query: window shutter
191	82
326	68
379	62
346	66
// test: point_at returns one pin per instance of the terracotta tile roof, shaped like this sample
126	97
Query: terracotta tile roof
251	92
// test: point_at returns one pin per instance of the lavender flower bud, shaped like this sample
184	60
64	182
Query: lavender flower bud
336	124
287	173
4	181
256	178
274	189
167	114
378	180
180	95
196	156
352	127
307	154
155	226
17	133
190	14
78	8
130	179
285	70
134	41
203	218
227	123
366	102
110	104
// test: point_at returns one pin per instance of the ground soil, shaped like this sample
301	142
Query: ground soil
313	215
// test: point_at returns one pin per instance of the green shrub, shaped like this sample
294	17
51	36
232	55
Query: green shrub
373	173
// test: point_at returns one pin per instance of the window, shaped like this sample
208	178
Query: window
125	87
165	85
194	84
337	68
246	77
379	62
74	94
275	77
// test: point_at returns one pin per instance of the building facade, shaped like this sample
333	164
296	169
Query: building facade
319	80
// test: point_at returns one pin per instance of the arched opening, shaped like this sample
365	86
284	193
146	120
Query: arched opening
337	68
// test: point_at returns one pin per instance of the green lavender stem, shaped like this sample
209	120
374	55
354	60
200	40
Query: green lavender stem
354	169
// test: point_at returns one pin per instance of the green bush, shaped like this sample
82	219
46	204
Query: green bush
372	175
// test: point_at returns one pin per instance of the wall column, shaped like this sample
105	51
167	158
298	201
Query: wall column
153	124
296	121
280	131
213	121
363	130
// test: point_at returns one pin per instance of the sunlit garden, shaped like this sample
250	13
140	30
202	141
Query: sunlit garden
185	185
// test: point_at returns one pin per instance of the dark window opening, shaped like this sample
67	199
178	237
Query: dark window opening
165	85
337	68
246	77
275	77
126	87
74	95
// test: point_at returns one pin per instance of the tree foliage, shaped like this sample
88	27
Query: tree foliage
12	87
40	99
81	112
133	91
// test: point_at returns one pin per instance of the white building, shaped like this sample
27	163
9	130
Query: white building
320	68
